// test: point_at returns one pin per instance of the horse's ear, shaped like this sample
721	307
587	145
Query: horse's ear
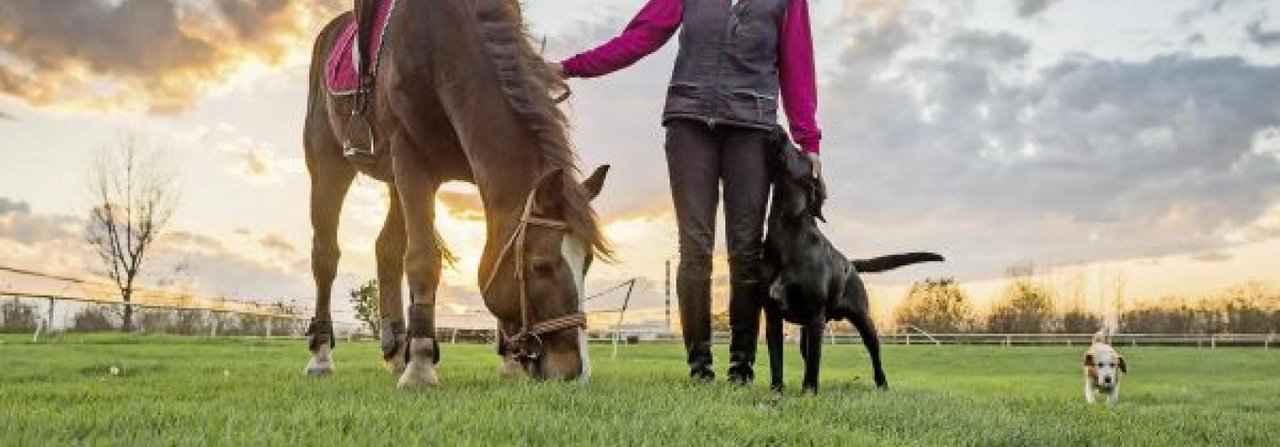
548	199
595	182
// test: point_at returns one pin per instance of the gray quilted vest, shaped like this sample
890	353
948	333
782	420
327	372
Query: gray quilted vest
727	68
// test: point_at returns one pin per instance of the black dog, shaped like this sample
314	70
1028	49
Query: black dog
812	282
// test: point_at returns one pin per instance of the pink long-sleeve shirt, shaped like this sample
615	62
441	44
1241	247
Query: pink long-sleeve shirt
654	25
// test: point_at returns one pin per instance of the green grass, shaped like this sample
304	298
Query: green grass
252	392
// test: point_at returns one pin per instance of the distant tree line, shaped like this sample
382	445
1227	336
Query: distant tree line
1028	307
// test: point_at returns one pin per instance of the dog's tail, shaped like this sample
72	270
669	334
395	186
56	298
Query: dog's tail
1100	336
886	263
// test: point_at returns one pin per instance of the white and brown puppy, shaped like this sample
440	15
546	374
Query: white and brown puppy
1103	367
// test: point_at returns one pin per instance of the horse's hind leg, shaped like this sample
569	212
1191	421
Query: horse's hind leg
423	261
330	180
390	250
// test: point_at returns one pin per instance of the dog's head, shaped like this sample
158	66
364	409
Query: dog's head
1105	366
797	192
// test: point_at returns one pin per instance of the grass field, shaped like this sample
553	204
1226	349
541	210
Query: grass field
252	392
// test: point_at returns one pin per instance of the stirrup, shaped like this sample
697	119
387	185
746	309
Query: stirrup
352	148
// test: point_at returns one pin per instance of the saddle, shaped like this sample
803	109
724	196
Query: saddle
350	70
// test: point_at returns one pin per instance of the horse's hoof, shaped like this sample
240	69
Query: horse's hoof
395	361
510	368
319	373
321	364
421	370
396	365
417	376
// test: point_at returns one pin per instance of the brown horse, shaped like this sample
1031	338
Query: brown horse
460	95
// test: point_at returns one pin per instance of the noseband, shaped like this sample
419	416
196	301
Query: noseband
517	344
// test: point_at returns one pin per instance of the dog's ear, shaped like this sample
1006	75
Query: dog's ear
1123	367
1088	359
818	199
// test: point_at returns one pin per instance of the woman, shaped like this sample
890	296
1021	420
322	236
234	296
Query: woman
735	56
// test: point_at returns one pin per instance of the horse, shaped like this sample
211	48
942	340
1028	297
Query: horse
460	95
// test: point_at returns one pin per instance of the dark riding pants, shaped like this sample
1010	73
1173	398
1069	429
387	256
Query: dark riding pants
705	162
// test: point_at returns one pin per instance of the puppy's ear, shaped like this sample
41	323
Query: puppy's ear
1123	367
1088	359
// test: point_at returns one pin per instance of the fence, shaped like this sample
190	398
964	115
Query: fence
1265	341
44	313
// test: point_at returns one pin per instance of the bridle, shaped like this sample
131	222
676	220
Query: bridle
517	345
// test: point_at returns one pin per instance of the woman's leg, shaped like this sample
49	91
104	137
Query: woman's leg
744	165
693	162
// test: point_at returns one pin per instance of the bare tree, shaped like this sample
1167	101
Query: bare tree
134	195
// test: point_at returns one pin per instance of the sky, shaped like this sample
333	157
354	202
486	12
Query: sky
1132	143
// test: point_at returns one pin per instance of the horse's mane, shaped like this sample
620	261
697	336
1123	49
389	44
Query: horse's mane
528	82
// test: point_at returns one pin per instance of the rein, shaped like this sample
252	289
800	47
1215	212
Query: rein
529	329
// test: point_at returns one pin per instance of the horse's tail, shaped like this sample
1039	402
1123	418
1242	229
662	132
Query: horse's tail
886	263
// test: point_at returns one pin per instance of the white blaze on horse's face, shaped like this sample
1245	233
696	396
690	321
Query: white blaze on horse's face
574	251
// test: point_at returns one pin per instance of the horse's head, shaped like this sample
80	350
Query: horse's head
554	262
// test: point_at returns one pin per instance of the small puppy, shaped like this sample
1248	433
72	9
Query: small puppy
1103	367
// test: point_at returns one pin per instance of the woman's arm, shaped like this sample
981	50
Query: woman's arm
652	27
796	75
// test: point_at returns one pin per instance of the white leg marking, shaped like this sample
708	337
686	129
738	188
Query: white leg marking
321	363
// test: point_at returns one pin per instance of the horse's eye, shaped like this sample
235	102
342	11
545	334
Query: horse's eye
544	267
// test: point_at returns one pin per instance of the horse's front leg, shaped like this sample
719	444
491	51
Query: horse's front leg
423	262
330	179
390	250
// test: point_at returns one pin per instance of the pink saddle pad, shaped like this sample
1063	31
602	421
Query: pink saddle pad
340	69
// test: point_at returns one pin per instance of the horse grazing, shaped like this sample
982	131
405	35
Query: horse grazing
460	94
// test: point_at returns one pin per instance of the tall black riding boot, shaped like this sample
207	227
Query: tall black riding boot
693	288
744	322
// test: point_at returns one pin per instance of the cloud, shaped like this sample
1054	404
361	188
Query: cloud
1028	8
1259	37
1212	256
158	55
12	206
1079	159
20	225
249	158
277	243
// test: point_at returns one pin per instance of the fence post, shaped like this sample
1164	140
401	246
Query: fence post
213	328
49	325
1213	342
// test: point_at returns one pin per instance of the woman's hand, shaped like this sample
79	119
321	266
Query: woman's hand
815	163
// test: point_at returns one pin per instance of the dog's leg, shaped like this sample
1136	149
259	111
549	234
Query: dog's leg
1088	392
813	353
861	319
1114	397
773	336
